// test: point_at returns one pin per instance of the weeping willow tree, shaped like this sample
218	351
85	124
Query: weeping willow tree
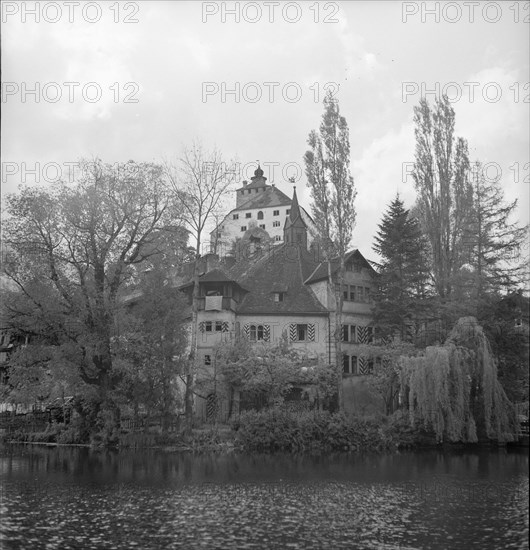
453	389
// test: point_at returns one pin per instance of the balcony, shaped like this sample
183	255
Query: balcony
226	304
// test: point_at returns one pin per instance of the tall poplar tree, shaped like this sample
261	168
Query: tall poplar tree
445	195
333	192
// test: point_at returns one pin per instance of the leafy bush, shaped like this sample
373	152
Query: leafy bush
279	429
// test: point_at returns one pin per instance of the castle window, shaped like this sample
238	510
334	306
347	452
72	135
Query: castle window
346	364
262	226
243	228
235	217
207	360
218	326
207	326
260	215
248	215
277	238
287	212
275	224
276	213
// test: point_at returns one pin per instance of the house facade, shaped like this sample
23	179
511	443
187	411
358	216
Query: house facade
268	289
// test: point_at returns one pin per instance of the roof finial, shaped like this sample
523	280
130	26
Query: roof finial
258	172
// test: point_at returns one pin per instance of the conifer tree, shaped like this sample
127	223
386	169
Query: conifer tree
494	243
403	276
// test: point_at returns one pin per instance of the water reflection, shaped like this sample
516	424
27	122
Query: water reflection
77	498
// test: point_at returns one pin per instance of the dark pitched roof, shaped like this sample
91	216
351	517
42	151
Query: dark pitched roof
321	272
282	269
272	196
213	276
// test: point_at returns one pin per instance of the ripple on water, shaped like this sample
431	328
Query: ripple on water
438	511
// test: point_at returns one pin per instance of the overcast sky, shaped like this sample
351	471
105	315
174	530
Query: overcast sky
180	57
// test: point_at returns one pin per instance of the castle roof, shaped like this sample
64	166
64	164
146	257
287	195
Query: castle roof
271	196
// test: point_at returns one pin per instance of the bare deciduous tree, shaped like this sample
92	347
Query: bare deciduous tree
200	180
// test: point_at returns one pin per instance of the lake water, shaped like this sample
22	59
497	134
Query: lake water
77	498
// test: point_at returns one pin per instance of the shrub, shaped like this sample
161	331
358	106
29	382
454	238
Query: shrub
279	429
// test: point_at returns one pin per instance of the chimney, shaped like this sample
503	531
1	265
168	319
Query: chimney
211	260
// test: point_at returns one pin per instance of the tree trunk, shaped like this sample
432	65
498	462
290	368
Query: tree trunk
192	359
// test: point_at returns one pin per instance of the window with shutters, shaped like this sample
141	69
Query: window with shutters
257	333
301	332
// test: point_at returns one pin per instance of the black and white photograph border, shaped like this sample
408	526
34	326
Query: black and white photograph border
264	274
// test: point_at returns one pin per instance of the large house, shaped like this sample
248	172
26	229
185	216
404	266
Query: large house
257	205
266	289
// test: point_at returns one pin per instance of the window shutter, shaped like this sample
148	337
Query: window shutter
311	333
201	326
266	333
292	332
225	326
362	335
246	331
363	365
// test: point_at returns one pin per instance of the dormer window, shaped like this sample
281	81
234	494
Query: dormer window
278	296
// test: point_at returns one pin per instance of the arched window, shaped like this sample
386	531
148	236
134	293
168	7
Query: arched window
260	215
